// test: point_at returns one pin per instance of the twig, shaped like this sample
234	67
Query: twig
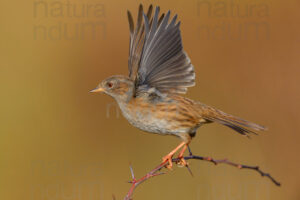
155	171
225	161
135	182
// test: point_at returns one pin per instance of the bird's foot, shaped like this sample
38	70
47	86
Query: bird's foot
182	162
168	158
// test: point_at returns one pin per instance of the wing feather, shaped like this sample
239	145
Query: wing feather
136	40
158	60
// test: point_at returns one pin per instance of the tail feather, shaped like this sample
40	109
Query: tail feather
241	122
237	128
241	126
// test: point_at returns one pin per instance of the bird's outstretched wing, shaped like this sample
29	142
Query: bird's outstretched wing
157	59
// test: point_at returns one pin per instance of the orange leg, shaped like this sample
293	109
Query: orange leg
180	155
171	154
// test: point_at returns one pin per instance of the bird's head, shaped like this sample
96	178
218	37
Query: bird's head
119	87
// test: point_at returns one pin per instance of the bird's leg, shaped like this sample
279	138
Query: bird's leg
180	155
171	154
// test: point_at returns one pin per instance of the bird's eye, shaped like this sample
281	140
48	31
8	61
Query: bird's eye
109	84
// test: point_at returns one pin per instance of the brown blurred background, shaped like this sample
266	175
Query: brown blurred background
58	141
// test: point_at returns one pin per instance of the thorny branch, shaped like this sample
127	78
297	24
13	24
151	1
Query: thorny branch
156	171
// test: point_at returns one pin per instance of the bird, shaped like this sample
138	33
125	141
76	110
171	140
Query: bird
151	97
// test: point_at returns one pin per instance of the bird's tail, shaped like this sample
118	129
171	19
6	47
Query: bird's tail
241	126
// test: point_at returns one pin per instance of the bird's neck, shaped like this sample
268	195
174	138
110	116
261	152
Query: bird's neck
126	97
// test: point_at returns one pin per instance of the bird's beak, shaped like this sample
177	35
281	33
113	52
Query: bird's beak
98	89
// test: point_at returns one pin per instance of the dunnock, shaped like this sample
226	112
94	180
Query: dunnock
159	71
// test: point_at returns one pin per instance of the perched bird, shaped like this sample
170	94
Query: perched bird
159	72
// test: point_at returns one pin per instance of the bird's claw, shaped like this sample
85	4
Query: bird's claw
182	162
168	159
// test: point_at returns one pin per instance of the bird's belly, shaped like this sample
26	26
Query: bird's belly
149	122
